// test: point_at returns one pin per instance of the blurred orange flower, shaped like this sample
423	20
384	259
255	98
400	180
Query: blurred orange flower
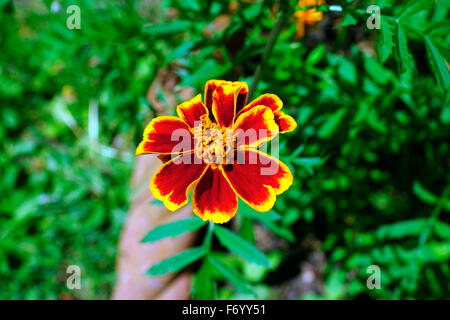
309	16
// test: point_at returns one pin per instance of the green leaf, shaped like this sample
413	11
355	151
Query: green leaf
248	211
177	262
209	69
384	40
442	230
241	247
167	28
435	252
191	5
348	20
316	55
282	232
267	219
414	7
330	126
347	71
401	229
173	229
204	287
230	274
402	50
423	194
439	28
438	65
180	51
377	72
308	162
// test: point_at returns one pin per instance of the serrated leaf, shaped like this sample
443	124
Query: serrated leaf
384	40
239	246
177	262
439	28
173	229
438	65
402	50
413	7
230	274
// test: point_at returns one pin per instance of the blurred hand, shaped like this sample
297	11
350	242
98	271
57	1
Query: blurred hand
134	257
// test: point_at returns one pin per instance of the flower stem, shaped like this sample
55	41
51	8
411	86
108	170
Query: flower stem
208	239
273	36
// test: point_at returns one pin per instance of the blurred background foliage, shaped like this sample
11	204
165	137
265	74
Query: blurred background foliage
370	157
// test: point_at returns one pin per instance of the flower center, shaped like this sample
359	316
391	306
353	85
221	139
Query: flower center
213	143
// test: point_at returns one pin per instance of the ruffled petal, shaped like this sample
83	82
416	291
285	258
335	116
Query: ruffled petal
210	87
240	89
242	94
269	100
224	105
213	198
166	135
192	110
285	122
255	127
173	182
259	179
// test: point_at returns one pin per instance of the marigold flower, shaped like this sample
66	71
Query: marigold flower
217	135
309	16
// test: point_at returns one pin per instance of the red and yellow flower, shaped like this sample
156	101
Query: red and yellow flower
308	16
216	134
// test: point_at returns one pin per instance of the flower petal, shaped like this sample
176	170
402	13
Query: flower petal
255	126
269	100
210	87
213	198
224	105
166	135
173	181
259	179
240	91
164	157
285	122
191	111
242	94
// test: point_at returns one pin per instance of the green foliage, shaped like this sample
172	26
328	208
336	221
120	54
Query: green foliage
173	229
369	157
230	274
177	262
204	287
240	247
